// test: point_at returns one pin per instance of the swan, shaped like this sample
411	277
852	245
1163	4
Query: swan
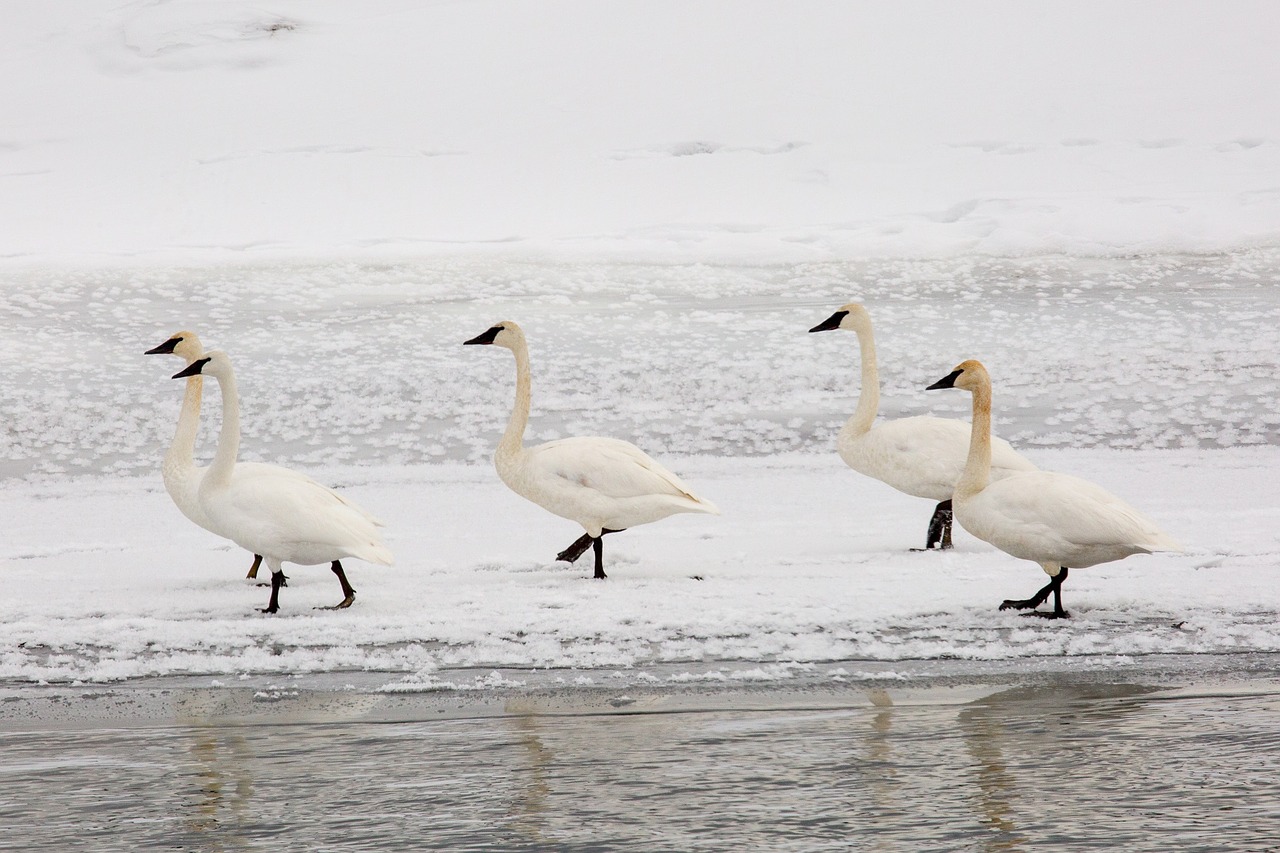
181	474
604	484
278	513
1056	520
920	456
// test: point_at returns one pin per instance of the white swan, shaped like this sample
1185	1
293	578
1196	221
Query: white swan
920	456
280	514
1059	521
604	484
181	474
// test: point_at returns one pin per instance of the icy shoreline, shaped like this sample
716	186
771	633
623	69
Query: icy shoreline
808	565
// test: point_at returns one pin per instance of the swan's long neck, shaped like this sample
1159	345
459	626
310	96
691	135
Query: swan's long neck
181	453
224	461
977	468
513	439
864	415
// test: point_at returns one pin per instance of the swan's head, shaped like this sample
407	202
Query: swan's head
852	317
185	345
213	363
505	334
969	375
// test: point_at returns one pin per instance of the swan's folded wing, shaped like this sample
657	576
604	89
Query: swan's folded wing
299	510
609	466
262	469
1074	512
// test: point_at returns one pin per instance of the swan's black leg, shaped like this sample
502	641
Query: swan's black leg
1058	612
277	581
349	594
598	544
580	546
1054	586
253	570
576	550
939	536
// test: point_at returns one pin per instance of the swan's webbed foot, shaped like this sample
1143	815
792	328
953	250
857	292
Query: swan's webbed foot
1053	586
1021	604
348	592
253	570
576	550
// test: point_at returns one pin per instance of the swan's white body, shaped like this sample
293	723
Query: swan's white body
1056	520
602	484
182	476
280	514
922	456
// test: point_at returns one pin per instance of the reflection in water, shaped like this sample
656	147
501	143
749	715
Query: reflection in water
879	751
532	786
222	774
1025	721
984	734
1056	767
224	788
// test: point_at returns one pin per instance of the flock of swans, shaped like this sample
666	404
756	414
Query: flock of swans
607	485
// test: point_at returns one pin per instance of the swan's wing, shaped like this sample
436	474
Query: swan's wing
257	507
262	469
927	454
609	466
1071	511
916	454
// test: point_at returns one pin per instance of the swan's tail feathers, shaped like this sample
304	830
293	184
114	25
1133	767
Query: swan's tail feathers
368	516
377	553
1164	542
697	504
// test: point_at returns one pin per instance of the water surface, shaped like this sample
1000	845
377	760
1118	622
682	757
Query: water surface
1072	761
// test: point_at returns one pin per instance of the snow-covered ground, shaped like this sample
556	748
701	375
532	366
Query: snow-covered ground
667	196
808	565
216	129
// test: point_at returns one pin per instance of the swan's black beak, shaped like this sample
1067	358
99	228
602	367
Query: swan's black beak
165	348
192	369
832	322
486	338
948	381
